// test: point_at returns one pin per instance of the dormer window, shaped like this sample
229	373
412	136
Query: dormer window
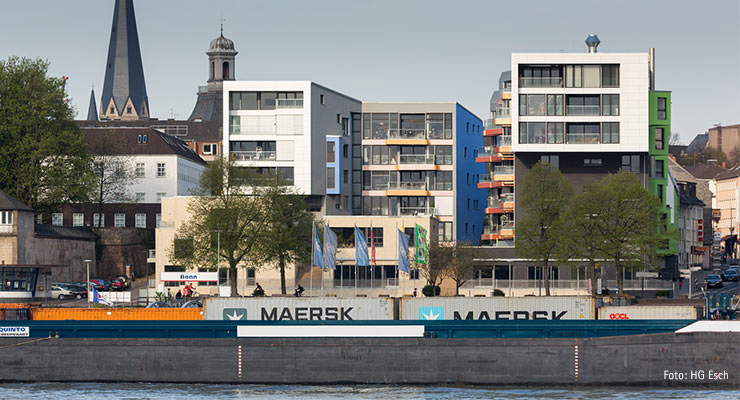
138	139
128	109
143	139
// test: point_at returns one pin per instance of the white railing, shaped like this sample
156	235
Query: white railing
260	155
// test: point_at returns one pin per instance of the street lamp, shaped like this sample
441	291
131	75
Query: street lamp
87	261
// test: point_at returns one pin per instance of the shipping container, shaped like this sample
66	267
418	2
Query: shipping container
498	308
297	308
117	314
647	312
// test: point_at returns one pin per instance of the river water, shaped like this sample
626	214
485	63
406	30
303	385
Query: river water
143	391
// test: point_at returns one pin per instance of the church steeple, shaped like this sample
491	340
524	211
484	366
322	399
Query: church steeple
92	110
124	90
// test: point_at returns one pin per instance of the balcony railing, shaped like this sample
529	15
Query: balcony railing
485	151
443	159
484	178
580	110
503	170
416	211
409	186
584	138
504	140
416	159
442	186
408	134
254	155
288	103
488	124
496	202
503	112
540	82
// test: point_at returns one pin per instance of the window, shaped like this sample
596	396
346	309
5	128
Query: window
582	105
57	219
534	273
435	126
345	150
345	176
445	231
631	163
551	159
523	132
158	220
592	162
138	139
78	219
610	104
465	153
536	132
555	133
467	182
6	218
554	104
522	104
475	204
659	139
536	104
160	196
467	127
99	220
210	148
591	76
143	139
573	76
610	132
330	178
322	100
139	171
468	203
140	197
660	193
330	149
610	75
659	169
161	171
140	220
119	220
583	133
662	108
540	76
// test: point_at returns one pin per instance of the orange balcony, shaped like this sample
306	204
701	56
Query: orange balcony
493	132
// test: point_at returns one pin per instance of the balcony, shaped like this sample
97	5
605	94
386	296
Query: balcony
445	159
408	134
489	124
256	155
282	104
504	140
503	112
582	111
485	151
416	159
442	186
540	82
505	200
409	186
503	170
413	211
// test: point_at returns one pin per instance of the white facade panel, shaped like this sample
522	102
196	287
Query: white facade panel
181	176
285	150
633	101
444	205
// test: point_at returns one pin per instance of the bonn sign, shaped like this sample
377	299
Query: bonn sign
189	277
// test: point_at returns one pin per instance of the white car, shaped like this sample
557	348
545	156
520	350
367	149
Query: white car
63	290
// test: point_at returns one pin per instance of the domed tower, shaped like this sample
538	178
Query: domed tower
221	56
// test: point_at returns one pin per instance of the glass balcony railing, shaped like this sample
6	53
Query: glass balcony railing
260	155
407	134
409	186
445	159
288	103
484	178
485	151
442	186
583	111
503	112
416	210
498	202
504	140
416	159
540	82
584	138
503	170
488	124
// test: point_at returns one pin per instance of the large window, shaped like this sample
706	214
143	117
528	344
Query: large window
98	220
445	232
331	182
554	104
381	126
610	132
582	105
264	150
412	126
610	75
662	108
583	133
78	219
659	137
631	163
592	76
139	171
375	205
536	104
140	220
540	76
283	174
265	100
610	104
551	159
435	126
555	133
330	152
536	132
659	169
57	219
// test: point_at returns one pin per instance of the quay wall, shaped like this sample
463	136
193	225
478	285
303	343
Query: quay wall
625	360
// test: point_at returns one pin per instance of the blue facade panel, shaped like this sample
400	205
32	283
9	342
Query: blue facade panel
469	200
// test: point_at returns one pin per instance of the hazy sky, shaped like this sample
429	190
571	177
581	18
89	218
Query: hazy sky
398	50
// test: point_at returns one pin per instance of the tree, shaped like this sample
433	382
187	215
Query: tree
42	152
674	139
229	215
439	258
113	172
544	194
628	220
288	236
461	268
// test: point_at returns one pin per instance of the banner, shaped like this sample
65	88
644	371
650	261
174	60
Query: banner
361	256
422	249
403	252
330	248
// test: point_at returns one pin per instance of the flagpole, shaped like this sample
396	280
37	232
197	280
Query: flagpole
310	268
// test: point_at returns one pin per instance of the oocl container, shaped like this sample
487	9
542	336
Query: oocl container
297	308
647	312
498	308
117	314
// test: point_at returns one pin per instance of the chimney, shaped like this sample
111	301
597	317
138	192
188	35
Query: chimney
651	68
592	42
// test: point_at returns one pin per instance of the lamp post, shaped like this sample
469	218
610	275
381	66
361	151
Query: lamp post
87	261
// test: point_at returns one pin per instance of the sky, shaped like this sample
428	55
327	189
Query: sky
401	50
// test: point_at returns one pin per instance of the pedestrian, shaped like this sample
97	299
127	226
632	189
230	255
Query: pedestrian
414	292
186	291
178	296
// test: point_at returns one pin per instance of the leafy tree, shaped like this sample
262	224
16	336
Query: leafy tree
228	214
42	152
544	194
461	268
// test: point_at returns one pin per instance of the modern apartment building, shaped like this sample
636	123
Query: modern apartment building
419	159
589	114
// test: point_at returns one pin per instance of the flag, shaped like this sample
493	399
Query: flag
422	249
372	244
361	257
330	248
98	298
317	258
403	252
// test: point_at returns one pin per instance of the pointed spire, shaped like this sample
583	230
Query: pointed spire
92	110
124	89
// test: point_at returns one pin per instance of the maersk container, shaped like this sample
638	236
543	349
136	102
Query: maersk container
498	308
647	312
297	308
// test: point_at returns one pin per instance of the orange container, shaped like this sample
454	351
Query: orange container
117	314
19	305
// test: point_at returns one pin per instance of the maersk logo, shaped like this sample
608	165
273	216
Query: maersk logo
234	314
431	313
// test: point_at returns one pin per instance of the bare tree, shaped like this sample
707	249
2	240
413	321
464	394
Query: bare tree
461	267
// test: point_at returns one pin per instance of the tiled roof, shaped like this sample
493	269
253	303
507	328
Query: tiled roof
126	141
705	171
8	202
60	232
202	131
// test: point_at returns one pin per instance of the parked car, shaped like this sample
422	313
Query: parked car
731	275
64	290
105	284
93	284
713	280
125	279
158	304
192	304
117	284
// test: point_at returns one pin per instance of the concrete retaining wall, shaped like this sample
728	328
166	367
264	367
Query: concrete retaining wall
631	360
